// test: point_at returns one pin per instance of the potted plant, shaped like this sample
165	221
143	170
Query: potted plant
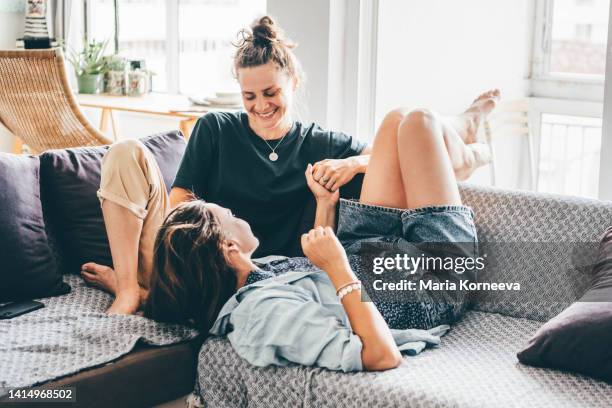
89	66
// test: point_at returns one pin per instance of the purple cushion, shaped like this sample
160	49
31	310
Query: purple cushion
579	338
28	269
70	179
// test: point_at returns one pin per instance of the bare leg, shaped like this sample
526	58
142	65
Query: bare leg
383	183
134	204
426	168
123	229
466	151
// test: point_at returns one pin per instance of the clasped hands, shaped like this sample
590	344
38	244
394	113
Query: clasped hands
334	173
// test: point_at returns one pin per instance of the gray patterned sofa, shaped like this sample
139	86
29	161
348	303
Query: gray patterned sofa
542	241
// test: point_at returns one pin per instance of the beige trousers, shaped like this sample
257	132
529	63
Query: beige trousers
131	178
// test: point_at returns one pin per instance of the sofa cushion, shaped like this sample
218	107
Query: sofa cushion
579	338
70	179
28	269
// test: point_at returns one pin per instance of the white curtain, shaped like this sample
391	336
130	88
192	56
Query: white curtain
66	26
66	21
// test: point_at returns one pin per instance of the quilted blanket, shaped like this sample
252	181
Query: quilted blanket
72	333
475	366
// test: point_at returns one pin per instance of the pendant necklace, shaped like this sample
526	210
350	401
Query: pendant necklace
273	156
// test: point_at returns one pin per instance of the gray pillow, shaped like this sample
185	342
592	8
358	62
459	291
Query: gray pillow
27	266
579	338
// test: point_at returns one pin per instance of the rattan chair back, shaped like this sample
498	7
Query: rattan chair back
37	104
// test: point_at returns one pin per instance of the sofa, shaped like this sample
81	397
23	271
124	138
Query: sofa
152	365
542	241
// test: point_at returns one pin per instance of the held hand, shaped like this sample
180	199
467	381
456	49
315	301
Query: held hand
323	249
334	173
321	193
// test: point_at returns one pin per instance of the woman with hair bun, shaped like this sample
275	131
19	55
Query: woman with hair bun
253	163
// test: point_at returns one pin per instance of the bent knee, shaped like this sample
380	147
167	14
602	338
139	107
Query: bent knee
125	149
419	119
394	117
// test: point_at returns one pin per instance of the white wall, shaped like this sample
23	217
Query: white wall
11	28
307	23
440	54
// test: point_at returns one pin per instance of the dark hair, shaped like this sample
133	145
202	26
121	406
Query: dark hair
191	279
263	43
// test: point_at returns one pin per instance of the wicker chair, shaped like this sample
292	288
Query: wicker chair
37	105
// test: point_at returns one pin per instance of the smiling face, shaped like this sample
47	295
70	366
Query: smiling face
235	229
267	93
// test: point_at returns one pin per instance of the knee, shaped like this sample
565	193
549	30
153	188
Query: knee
419	117
124	150
417	121
395	116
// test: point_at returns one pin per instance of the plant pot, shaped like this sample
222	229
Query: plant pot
90	84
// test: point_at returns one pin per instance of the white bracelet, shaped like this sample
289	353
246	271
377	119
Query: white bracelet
348	289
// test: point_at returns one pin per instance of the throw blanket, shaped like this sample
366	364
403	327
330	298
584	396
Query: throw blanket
72	333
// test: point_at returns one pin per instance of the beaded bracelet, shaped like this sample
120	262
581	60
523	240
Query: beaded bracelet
348	288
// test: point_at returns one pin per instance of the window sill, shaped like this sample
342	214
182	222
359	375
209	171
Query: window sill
588	89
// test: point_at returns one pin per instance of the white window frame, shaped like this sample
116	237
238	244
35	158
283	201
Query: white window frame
555	85
570	94
605	164
368	56
351	100
172	42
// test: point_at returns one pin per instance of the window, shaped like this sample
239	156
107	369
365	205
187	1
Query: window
186	43
568	78
578	37
570	47
569	154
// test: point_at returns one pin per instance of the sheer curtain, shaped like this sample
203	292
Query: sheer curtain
65	19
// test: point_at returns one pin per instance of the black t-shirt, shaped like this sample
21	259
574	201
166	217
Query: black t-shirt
227	163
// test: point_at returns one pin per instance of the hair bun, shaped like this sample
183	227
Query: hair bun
265	31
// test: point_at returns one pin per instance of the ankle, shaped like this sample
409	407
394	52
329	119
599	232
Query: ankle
129	292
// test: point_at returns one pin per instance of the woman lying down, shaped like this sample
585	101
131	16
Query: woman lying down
314	314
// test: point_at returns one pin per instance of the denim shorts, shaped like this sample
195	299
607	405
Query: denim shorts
368	231
359	223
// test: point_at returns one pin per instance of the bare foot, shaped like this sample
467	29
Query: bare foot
480	108
477	155
100	276
126	302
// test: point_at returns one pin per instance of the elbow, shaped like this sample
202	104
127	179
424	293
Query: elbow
383	360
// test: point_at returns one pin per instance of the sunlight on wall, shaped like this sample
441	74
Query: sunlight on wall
442	54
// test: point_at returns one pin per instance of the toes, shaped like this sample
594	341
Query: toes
90	279
94	268
491	94
87	266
